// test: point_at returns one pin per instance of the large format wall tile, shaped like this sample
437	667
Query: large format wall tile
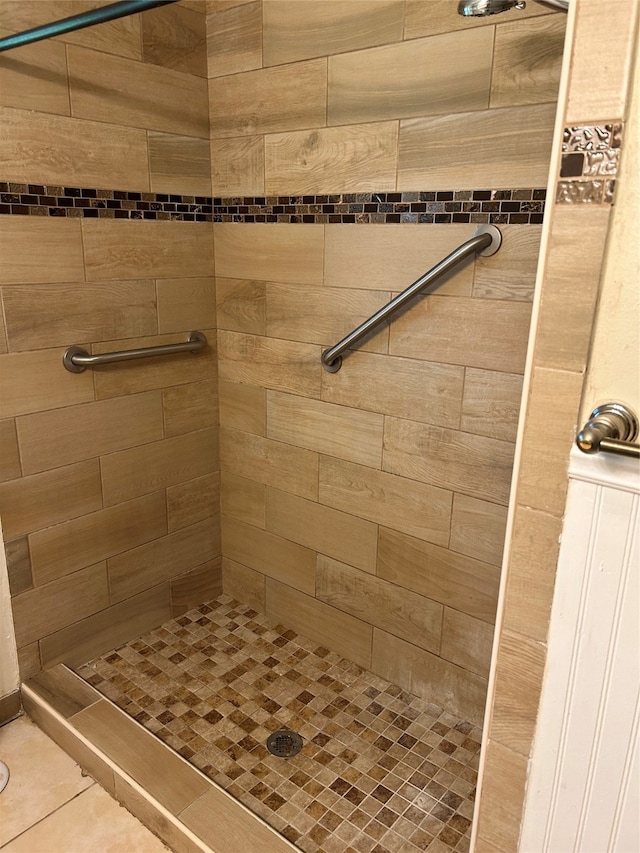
373	85
35	78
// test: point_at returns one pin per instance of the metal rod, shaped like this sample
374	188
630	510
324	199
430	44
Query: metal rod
76	359
612	427
486	239
79	22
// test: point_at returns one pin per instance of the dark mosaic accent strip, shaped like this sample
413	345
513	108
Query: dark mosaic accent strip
589	165
503	206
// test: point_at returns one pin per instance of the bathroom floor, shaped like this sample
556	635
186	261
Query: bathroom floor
380	771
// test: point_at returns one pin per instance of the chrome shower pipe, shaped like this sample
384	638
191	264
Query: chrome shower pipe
79	22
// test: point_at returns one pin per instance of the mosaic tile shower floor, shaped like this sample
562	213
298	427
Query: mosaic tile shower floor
381	771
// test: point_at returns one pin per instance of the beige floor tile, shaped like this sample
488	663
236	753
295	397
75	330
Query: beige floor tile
42	779
92	822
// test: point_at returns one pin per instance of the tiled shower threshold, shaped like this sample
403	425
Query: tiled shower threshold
380	770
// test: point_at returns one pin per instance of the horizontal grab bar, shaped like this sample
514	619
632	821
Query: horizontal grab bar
486	240
77	359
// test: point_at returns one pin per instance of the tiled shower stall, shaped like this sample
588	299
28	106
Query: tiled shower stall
271	174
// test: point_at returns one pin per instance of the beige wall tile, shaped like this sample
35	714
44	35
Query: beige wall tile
491	403
37	380
414	508
221	821
391	257
35	147
320	622
270	462
466	641
244	584
107	629
193	501
323	315
293	31
61	436
477	149
478	528
394	609
468	585
358	158
186	304
117	91
121	36
542	482
373	85
574	259
270	363
517	688
243	499
55	605
34	77
495	333
511	272
49	315
269	554
426	675
91	538
237	166
439	16
163	774
269	100
132	377
161	560
190	407
18	565
234	39
335	430
322	529
175	37
241	305
243	407
9	454
601	91
28	243
157	465
532	572
470	464
407	387
33	503
527	61
117	248
179	164
504	780
283	253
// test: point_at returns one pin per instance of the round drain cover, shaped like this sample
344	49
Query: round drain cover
284	743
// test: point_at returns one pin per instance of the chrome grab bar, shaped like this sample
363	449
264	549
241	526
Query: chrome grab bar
486	241
77	359
613	428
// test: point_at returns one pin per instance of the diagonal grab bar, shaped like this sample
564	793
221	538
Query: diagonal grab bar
486	241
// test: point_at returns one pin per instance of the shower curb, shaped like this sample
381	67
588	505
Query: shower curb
209	820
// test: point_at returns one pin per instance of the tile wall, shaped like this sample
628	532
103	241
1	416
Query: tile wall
109	490
366	509
596	98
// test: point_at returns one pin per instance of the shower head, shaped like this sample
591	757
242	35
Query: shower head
481	8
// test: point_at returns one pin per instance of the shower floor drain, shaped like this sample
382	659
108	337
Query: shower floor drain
284	743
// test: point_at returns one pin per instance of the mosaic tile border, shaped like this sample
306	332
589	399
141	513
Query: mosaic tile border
498	206
589	164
